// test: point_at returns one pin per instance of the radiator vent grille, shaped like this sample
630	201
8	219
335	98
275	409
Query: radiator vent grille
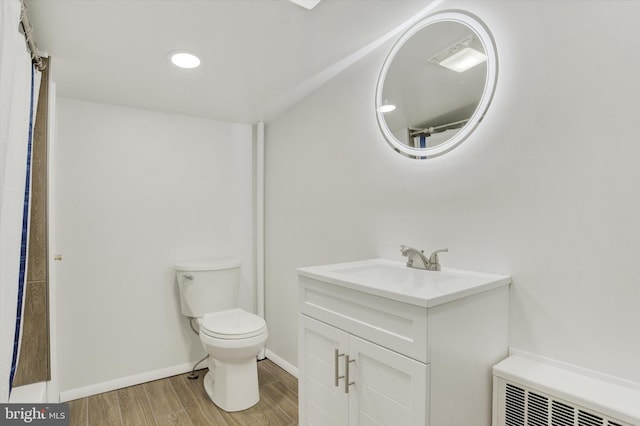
514	406
524	407
561	414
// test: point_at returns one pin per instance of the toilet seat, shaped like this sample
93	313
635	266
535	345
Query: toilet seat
232	324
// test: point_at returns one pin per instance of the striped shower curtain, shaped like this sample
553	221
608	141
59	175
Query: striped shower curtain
19	84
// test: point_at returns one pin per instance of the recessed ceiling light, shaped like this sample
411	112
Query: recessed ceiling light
386	108
307	4
184	59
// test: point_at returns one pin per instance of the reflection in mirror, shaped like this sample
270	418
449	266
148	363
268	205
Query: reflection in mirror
436	84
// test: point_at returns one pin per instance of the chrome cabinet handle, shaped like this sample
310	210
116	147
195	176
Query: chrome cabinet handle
347	383
336	368
188	276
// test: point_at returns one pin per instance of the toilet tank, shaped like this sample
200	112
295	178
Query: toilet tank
208	285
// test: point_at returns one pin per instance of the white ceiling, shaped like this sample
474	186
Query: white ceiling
259	57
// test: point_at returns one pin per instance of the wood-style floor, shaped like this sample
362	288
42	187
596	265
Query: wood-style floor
178	400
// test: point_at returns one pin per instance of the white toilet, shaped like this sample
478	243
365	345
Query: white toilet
232	337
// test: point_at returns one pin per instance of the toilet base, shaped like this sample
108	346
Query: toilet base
232	386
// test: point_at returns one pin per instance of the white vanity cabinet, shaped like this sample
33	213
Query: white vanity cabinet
391	388
370	356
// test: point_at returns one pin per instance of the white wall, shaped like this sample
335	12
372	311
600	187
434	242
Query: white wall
547	189
135	192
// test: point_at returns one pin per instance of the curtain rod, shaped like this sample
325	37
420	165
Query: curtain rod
416	132
28	35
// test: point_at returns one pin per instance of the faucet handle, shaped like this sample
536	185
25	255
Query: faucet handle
434	261
405	249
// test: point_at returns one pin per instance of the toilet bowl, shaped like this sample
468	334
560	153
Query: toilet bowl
232	337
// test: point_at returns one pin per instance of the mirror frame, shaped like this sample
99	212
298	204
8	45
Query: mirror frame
485	37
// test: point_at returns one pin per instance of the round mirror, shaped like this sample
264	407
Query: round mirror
436	84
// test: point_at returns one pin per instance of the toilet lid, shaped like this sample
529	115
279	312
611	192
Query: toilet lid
232	324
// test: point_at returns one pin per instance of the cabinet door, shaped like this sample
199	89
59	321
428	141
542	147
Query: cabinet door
321	402
389	388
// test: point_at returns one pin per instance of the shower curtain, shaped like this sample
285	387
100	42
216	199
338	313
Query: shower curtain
18	81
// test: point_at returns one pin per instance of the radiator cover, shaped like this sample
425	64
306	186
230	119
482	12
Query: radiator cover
529	392
522	406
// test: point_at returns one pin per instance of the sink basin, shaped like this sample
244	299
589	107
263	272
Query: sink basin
380	273
394	280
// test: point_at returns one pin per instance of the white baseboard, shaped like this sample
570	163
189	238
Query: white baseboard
35	393
124	382
280	362
149	376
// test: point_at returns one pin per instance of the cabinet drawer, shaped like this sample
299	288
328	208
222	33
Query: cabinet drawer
398	326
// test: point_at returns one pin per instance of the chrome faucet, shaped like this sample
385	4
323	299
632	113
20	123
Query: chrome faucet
431	263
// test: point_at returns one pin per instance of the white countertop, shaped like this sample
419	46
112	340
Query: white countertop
394	280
